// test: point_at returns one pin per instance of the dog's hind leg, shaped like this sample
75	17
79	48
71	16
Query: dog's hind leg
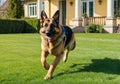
65	56
70	47
43	60
52	67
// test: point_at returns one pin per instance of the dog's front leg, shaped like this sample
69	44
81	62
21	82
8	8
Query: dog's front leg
43	60
52	67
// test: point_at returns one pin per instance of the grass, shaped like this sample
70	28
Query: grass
96	60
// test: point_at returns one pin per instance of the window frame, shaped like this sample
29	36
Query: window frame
32	5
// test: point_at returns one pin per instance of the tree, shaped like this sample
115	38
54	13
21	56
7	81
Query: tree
14	9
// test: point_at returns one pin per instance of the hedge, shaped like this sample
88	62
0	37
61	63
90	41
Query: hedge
32	25
19	26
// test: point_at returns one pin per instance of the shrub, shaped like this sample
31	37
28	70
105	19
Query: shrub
94	28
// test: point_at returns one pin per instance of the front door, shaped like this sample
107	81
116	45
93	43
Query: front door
88	7
62	8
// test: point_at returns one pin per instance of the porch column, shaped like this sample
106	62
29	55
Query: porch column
77	19
110	8
109	27
77	9
39	8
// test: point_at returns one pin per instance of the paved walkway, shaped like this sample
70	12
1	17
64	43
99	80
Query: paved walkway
78	29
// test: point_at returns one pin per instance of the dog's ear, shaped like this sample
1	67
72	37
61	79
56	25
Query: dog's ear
43	15
56	16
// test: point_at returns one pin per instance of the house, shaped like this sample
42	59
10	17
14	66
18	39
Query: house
3	9
72	11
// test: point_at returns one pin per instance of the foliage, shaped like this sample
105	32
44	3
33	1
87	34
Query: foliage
94	61
19	26
32	25
14	9
116	15
94	28
12	26
84	15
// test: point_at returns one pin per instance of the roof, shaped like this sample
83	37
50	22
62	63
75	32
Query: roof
4	6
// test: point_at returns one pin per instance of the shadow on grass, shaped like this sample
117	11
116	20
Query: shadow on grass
107	65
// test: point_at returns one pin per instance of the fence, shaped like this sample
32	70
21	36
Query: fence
118	21
97	20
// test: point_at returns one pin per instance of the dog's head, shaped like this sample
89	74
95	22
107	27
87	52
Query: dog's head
50	29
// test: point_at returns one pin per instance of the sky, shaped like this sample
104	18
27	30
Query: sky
2	1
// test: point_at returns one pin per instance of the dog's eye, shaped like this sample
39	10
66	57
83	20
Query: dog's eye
43	31
52	26
55	24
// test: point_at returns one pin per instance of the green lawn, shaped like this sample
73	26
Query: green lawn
96	60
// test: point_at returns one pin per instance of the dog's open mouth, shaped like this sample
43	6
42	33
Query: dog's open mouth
48	39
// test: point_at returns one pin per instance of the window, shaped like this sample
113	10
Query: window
84	7
117	8
90	9
87	7
32	10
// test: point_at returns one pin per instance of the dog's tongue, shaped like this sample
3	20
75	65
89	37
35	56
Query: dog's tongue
48	39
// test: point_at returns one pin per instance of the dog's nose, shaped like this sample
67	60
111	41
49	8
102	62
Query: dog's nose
48	33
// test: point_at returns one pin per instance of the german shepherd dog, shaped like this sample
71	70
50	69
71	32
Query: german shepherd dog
56	39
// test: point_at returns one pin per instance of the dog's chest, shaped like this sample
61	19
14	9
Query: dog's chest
55	49
51	48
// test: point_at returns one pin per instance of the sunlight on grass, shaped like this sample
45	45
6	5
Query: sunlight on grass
96	60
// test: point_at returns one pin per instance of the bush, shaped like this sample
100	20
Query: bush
19	26
94	28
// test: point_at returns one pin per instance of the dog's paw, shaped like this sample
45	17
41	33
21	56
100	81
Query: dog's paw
47	77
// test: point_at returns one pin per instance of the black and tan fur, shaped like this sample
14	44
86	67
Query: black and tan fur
55	41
